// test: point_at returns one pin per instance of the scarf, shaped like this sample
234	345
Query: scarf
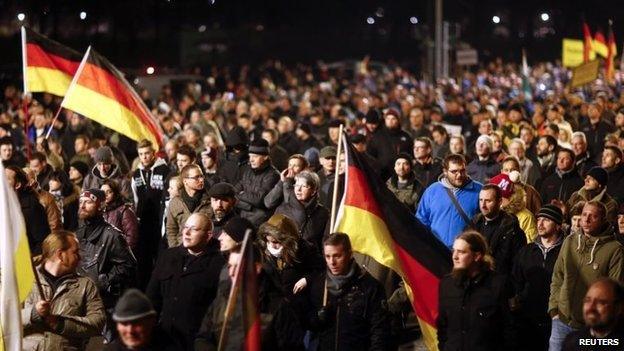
191	202
335	283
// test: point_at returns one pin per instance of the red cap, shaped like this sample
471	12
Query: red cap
504	183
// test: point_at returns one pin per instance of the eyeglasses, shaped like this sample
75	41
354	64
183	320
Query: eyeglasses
304	186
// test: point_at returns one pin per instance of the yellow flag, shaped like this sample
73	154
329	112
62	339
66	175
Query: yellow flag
572	52
15	267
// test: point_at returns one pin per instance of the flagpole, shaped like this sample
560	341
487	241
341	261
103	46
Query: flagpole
336	175
229	308
70	88
37	280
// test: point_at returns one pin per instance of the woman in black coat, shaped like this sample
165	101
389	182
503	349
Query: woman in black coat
288	260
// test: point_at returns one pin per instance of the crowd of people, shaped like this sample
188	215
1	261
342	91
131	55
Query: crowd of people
140	243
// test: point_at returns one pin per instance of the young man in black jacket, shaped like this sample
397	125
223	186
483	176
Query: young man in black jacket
473	311
531	276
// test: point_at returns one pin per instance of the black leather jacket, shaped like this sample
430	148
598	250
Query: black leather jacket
106	259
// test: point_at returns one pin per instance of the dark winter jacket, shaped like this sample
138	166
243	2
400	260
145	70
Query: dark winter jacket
311	218
615	186
283	275
121	216
250	191
531	277
595	135
177	214
37	227
560	186
95	180
428	173
483	170
106	259
385	144
231	168
181	288
357	318
474	313
504	237
584	163
289	142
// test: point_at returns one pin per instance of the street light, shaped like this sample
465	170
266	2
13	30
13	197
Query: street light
21	17
414	20
545	17
370	20
150	70
496	19
83	15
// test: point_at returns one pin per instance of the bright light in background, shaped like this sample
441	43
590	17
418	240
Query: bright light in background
370	20
414	20
201	28
150	70
380	12
83	15
21	17
545	17
496	19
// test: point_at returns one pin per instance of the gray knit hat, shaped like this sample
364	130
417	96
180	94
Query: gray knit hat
133	306
551	212
104	155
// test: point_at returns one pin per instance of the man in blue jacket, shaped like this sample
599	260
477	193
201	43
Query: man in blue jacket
448	204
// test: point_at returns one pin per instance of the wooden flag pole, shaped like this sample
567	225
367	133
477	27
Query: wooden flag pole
37	280
229	308
336	177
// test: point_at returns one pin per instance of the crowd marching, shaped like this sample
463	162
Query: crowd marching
140	244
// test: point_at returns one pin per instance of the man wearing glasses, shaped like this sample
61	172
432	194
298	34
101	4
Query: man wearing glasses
448	204
192	199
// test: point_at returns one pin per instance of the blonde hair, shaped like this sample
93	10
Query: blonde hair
57	240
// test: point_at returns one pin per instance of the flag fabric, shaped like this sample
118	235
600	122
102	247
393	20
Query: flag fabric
600	44
526	86
15	267
100	92
244	299
611	53
48	65
572	51
382	228
588	46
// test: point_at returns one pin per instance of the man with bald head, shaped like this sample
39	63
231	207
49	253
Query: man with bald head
184	282
602	313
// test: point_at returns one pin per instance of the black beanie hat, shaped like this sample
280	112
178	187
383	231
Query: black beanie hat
259	147
551	212
600	175
236	227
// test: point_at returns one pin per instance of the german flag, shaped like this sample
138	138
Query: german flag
381	227
600	44
244	298
612	52
48	65
100	92
588	49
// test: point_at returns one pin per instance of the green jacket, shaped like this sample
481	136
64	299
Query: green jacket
582	261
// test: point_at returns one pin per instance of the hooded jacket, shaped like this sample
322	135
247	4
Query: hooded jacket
438	212
95	180
582	260
517	207
602	197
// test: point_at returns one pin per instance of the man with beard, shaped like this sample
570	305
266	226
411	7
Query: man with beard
602	313
531	275
148	185
223	204
448	205
473	312
106	258
546	151
404	184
